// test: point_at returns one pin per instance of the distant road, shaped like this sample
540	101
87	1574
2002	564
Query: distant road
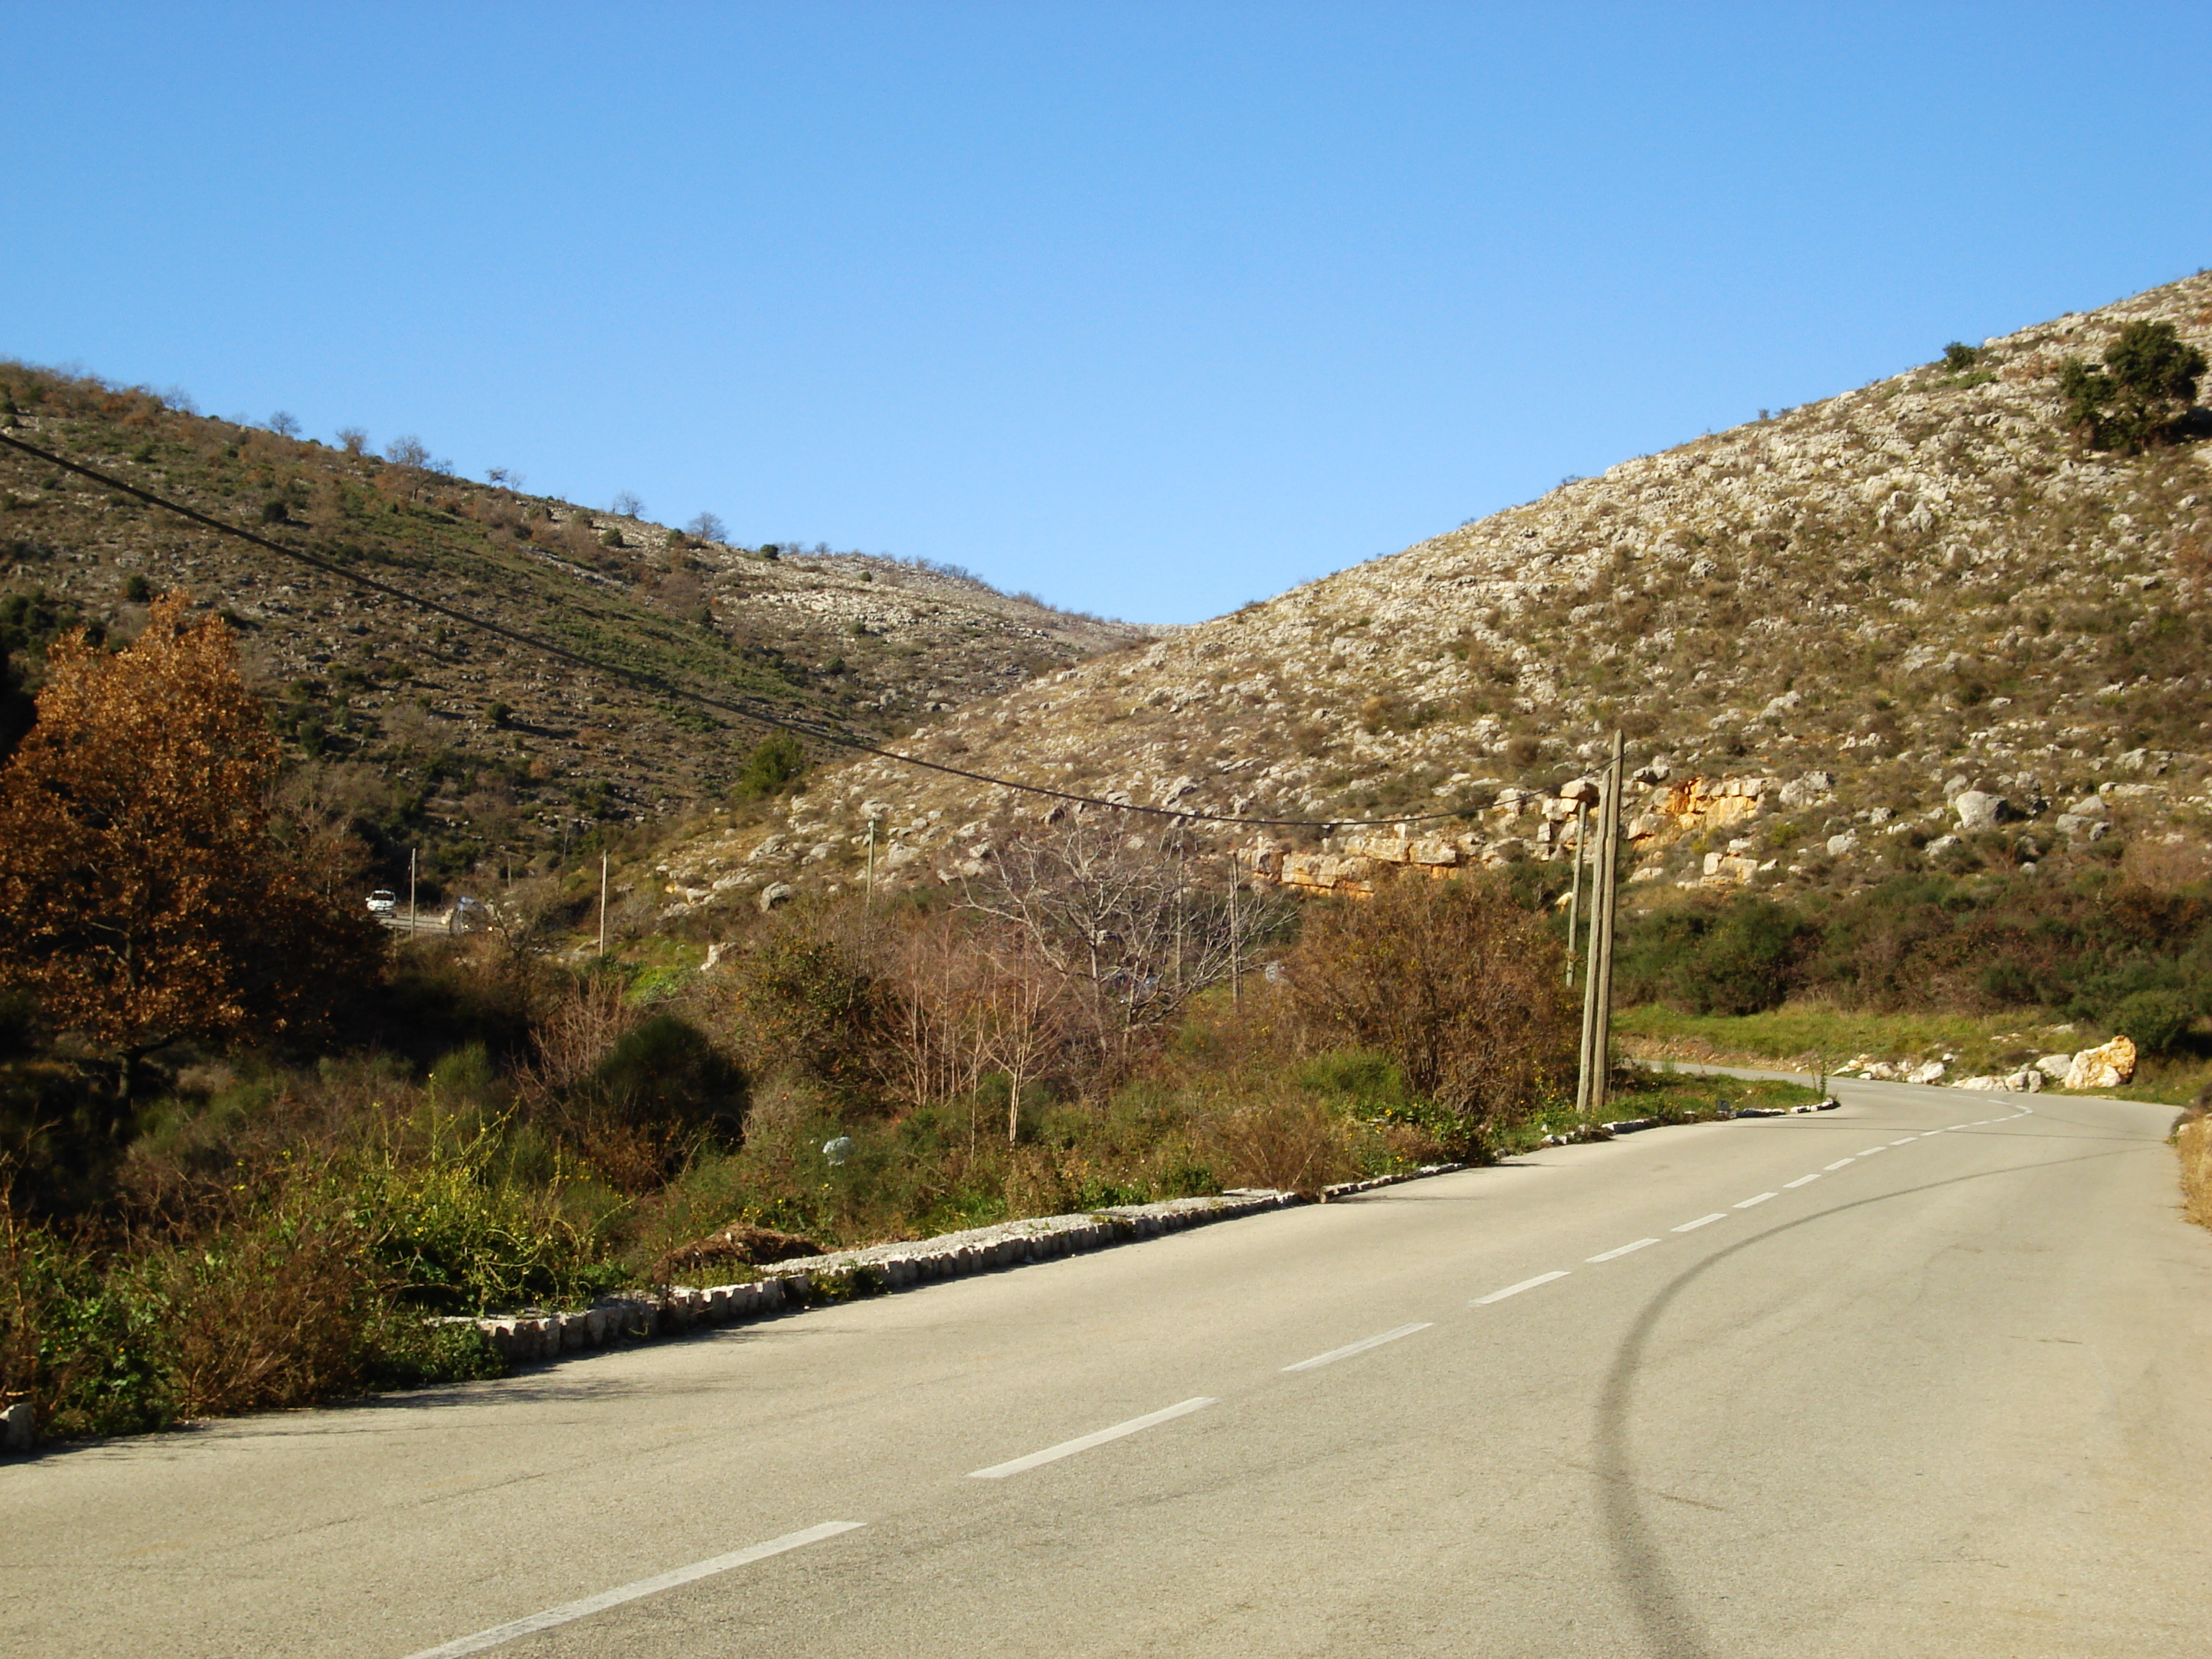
1927	1376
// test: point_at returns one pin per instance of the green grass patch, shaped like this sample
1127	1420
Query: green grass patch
1811	1037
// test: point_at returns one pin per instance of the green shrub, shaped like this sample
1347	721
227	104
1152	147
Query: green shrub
775	765
455	1238
2156	1021
666	1070
1739	957
2146	384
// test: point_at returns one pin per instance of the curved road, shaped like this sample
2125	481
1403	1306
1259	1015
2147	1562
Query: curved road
1930	1374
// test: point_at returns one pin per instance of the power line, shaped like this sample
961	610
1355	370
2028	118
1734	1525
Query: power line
655	683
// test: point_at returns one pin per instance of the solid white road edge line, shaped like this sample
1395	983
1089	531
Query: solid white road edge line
1516	1289
1621	1249
1360	1347
1801	1181
1748	1202
1084	1442
614	1598
1691	1226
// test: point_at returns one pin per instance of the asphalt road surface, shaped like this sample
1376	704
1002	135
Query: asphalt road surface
1928	1375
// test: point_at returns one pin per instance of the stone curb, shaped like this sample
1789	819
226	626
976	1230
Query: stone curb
1353	1188
1629	1125
789	1285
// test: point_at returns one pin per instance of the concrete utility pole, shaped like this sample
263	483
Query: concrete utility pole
1597	981
872	862
603	904
411	852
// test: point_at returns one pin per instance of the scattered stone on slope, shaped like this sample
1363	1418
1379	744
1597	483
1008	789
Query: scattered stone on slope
1820	628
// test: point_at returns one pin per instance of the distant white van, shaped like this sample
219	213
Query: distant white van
383	902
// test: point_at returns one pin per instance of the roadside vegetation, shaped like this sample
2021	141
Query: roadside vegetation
253	1151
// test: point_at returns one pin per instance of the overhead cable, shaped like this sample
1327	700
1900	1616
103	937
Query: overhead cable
653	682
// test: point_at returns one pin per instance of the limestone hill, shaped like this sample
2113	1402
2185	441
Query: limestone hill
444	734
1916	623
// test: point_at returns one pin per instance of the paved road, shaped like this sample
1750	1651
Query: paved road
1830	1386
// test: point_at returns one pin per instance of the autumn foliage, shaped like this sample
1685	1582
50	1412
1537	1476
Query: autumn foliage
143	897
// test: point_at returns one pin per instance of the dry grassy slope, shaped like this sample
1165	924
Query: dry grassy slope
1918	581
875	644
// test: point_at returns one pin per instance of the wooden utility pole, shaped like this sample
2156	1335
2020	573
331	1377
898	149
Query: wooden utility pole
603	904
1235	951
872	862
1575	892
1597	970
1609	841
411	853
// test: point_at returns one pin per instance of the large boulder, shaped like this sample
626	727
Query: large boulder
2104	1067
1810	790
1979	809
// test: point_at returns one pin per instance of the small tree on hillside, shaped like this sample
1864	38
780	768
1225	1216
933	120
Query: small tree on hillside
2138	398
776	764
143	899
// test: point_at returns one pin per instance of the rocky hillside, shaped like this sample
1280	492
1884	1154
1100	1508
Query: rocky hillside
462	734
1917	622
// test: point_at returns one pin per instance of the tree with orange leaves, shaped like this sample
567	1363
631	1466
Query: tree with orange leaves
142	898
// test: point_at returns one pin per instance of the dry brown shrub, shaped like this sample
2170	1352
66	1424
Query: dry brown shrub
2168	864
1453	981
2193	1140
1292	1146
274	1314
576	1034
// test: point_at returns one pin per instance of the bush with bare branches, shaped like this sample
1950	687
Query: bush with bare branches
1459	985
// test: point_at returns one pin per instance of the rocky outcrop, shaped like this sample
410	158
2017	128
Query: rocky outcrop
2106	1067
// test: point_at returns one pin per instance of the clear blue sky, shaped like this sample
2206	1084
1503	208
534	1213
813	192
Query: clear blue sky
1150	309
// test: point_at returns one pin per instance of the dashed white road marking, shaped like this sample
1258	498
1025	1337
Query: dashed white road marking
1084	1442
1360	1347
1839	1163
569	1611
1692	1226
1801	1181
1871	1150
1901	1139
1747	1203
1621	1249
1516	1289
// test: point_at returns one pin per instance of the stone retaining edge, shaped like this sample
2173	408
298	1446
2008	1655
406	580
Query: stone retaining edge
878	1268
785	1286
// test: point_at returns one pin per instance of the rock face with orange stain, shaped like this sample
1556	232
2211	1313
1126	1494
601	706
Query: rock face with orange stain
1546	824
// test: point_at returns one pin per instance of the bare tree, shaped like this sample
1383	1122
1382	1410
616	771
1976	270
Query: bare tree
407	450
708	527
1134	926
627	506
283	425
353	441
1024	1019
